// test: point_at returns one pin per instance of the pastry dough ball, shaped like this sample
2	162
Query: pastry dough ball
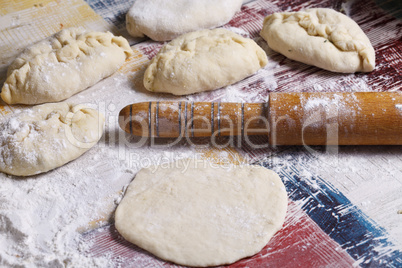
46	137
203	60
63	65
163	20
321	37
198	213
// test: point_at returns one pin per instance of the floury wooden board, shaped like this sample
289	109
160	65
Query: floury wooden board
343	201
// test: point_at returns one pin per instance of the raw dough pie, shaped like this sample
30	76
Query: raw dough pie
47	136
197	213
203	60
62	65
163	20
321	37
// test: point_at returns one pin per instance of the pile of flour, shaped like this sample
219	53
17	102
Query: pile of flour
40	216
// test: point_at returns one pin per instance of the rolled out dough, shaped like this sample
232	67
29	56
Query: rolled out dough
196	213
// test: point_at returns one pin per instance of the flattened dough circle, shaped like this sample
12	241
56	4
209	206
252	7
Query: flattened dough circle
201	214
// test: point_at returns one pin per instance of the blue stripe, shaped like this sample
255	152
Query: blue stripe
113	11
362	238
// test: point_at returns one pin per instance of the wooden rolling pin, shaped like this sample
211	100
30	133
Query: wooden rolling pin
361	118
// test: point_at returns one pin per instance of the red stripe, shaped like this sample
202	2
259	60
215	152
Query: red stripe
301	243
